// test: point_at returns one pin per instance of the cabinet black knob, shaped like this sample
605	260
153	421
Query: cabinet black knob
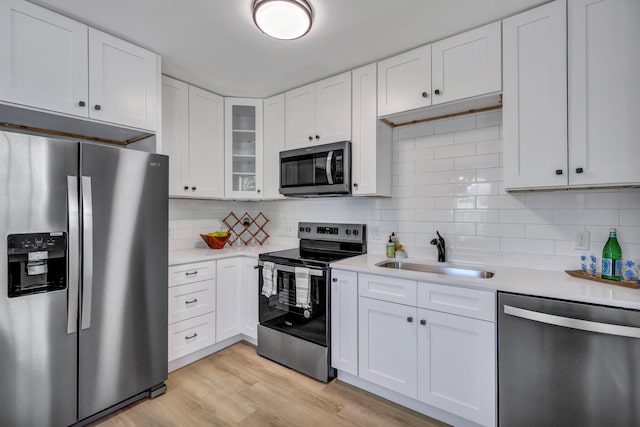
335	279
579	170
310	138
82	103
425	94
193	188
437	91
258	191
186	187
558	171
423	322
409	319
97	107
355	185
317	136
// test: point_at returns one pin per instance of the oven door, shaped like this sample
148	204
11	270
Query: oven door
323	169
280	311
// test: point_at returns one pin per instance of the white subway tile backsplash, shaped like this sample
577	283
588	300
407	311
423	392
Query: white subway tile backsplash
477	135
458	150
477	162
500	230
588	217
455	125
447	176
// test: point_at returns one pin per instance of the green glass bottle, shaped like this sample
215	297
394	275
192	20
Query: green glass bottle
612	258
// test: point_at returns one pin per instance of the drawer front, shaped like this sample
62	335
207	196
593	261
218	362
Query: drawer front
191	300
463	301
390	289
192	335
191	273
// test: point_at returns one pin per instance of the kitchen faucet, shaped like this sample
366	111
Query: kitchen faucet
439	242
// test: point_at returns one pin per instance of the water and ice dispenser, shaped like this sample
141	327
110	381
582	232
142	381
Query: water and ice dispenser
37	263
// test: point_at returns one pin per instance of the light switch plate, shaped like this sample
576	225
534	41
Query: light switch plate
581	240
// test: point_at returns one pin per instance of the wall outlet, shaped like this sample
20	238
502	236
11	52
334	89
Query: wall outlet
377	232
581	240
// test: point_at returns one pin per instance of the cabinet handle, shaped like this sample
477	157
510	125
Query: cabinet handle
317	136
258	191
335	279
423	322
186	187
310	138
425	95
193	188
579	170
191	273
409	319
190	337
193	301
82	104
355	185
97	107
558	171
437	91
256	267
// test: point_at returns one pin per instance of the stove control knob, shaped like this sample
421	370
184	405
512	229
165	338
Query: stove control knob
308	229
301	229
355	231
348	232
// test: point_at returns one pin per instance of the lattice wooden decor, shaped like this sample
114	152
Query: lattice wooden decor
246	228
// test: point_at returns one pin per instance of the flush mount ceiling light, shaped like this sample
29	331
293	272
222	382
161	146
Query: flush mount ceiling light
283	19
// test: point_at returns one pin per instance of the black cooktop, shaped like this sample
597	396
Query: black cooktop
304	257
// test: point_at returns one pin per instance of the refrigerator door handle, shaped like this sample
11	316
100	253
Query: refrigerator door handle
87	251
73	254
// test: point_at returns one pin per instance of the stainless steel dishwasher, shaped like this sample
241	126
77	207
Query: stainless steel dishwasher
564	363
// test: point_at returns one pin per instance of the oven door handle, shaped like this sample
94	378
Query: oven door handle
329	168
291	269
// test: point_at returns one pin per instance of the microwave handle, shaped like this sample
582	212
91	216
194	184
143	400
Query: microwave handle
329	169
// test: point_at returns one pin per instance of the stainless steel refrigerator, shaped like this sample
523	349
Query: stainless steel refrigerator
83	276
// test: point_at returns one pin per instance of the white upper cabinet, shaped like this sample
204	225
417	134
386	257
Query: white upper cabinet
54	63
193	138
319	113
243	148
273	143
597	146
466	65
206	144
604	114
44	59
535	103
123	82
404	81
371	143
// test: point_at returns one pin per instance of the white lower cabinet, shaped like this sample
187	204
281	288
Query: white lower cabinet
237	299
456	365
388	345
344	321
438	349
192	317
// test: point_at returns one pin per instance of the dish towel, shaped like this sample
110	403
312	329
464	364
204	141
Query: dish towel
268	273
303	296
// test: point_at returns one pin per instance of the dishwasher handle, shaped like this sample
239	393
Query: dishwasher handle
568	322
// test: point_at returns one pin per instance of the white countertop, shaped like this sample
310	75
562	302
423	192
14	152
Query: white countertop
185	256
555	284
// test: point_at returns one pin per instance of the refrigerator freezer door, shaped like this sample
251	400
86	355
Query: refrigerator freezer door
37	356
123	352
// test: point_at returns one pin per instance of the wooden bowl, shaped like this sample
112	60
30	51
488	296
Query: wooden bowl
215	242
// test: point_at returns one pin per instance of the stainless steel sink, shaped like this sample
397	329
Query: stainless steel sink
449	270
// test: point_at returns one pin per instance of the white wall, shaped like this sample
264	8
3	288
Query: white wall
447	176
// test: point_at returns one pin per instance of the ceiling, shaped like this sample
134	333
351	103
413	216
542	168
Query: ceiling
214	44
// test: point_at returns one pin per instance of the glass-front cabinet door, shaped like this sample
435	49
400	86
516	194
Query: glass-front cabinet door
243	148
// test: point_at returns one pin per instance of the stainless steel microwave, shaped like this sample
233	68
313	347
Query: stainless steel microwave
321	170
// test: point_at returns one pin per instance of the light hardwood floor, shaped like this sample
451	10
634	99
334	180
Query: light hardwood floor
236	387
